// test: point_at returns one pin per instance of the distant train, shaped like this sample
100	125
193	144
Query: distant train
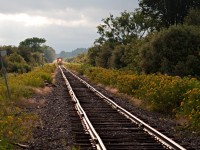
59	61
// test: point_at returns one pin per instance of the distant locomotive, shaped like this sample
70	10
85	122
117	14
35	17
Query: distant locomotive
59	61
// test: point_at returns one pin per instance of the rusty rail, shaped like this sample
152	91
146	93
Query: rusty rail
167	142
96	140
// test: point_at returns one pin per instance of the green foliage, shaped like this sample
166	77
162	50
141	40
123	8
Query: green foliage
92	55
117	56
103	56
26	54
161	93
49	54
127	83
120	29
16	124
33	43
4	144
193	17
81	58
151	39
165	13
16	63
9	49
173	51
21	85
190	107
29	54
130	57
115	61
37	77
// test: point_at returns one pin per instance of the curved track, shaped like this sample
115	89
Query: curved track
107	125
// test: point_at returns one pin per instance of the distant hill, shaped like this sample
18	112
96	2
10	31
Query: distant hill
73	53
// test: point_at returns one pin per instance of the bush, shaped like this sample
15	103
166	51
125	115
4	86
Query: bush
190	107
193	17
16	63
173	51
128	84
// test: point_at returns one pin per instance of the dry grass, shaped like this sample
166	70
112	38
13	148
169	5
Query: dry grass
183	121
136	102
43	91
111	90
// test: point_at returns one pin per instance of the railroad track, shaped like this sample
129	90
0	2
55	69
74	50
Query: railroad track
105	125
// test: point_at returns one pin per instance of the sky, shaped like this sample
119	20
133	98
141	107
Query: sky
65	24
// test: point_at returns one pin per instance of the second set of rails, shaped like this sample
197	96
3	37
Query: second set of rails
106	125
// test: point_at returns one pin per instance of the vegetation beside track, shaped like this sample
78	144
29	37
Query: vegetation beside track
170	95
16	122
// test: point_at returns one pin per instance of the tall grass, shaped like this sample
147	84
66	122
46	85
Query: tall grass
15	123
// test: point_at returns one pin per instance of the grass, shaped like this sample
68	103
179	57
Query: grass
16	123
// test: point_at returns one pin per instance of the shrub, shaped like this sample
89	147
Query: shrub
190	107
173	51
16	63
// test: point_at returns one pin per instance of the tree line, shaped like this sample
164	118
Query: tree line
30	53
159	36
71	54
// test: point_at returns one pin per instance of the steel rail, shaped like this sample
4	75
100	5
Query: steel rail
95	138
169	143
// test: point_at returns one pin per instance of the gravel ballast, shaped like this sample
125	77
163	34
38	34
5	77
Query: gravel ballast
53	130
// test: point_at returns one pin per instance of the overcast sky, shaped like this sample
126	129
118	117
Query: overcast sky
65	24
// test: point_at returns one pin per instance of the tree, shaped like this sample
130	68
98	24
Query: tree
33	43
115	34
93	54
49	53
31	49
173	51
16	63
103	56
25	53
130	57
122	29
80	58
193	17
9	49
167	12
116	57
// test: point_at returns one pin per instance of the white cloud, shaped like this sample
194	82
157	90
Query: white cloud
30	20
25	19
